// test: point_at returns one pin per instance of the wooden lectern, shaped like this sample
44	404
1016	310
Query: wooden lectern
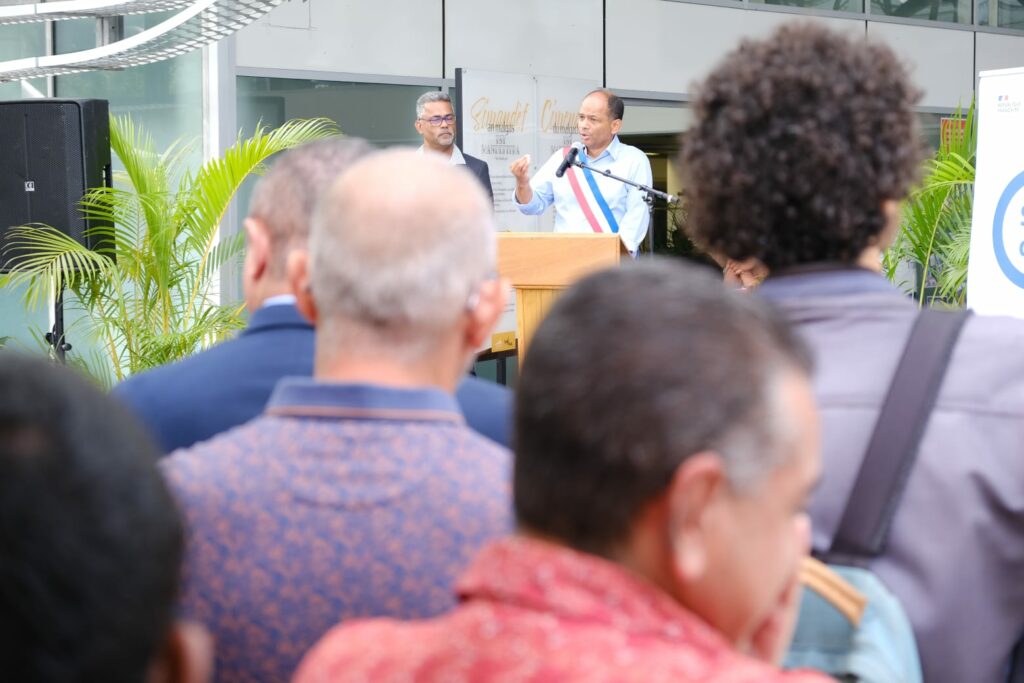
541	264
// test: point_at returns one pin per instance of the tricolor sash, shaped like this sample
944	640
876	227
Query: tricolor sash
588	196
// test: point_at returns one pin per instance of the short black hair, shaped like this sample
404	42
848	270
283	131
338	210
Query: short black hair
798	141
616	107
633	370
90	540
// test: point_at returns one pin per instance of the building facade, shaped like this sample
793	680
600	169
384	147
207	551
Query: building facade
363	64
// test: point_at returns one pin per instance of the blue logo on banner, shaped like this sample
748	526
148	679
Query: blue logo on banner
1011	271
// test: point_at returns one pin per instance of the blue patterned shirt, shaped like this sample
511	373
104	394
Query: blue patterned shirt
341	501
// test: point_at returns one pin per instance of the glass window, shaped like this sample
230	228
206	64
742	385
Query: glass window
380	113
931	129
165	98
18	41
831	5
952	11
1001	13
16	324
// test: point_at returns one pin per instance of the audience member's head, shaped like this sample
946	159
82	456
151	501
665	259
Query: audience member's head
90	540
803	146
668	424
281	210
400	269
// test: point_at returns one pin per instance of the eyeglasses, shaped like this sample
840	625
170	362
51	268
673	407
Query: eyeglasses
438	120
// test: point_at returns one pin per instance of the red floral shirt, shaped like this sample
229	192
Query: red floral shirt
534	611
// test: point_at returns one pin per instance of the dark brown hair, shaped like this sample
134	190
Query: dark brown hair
798	141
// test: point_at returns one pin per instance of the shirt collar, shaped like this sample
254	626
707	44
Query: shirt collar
455	159
307	397
824	280
556	580
612	150
279	300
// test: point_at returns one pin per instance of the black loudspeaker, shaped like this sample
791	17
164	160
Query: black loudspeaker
51	152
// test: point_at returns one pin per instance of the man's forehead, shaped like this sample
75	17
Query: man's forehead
594	104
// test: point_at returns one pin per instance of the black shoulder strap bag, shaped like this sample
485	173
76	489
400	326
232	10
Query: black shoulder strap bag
864	527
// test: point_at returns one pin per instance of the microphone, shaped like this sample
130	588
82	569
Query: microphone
569	158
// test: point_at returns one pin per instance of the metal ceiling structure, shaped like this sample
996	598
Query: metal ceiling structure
82	9
194	24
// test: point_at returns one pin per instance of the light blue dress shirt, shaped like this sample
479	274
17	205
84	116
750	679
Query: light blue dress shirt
626	203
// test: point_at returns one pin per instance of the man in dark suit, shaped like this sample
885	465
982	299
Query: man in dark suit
229	384
435	122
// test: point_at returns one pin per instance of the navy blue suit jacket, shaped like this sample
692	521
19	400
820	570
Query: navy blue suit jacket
211	392
481	171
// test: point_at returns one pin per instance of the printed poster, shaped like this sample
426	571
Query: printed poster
996	268
505	116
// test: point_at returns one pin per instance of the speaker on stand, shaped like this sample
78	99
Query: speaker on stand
51	153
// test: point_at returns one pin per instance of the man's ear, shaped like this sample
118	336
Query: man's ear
616	125
257	248
696	490
418	125
485	311
298	278
186	656
256	263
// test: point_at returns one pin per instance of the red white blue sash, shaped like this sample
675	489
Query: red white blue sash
593	204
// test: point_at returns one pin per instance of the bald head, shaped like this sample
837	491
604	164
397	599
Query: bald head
400	244
285	197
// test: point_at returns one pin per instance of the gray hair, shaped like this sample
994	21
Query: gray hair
752	450
286	196
400	243
428	97
634	370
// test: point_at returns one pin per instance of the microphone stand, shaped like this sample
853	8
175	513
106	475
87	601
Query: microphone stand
650	194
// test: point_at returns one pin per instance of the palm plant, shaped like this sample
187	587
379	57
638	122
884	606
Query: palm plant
935	233
146	294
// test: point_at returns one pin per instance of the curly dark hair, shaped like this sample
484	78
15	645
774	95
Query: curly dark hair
798	141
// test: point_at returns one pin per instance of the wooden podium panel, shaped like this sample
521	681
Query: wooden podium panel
540	264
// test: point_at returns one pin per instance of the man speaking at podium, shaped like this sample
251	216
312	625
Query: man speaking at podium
586	201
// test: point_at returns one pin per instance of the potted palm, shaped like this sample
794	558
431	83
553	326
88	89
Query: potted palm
935	234
147	294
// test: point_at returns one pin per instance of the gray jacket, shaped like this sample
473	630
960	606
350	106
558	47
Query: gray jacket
955	557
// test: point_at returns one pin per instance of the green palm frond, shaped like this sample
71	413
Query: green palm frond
144	295
209	193
229	248
934	234
44	258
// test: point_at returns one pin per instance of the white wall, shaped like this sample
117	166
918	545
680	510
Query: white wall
652	45
941	61
994	51
389	37
544	37
667	46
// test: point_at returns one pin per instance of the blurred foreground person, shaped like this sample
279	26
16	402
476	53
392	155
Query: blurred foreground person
803	147
361	491
666	440
90	540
